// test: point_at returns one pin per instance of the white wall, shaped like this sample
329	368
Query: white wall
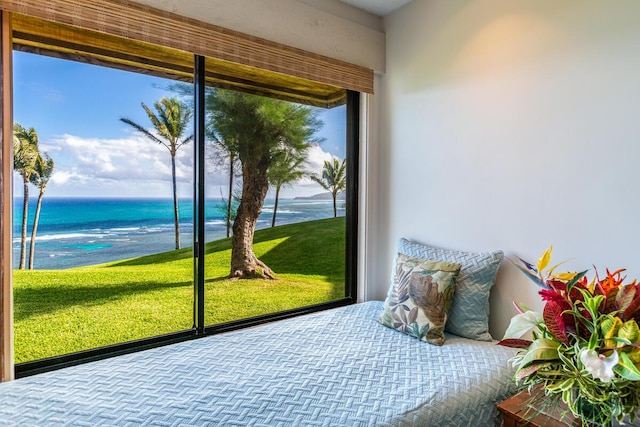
512	125
325	27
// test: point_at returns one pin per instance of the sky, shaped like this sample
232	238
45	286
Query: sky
76	108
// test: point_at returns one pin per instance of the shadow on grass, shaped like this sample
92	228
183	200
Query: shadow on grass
309	248
219	279
172	256
159	258
30	302
318	249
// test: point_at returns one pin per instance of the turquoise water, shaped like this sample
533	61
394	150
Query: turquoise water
73	232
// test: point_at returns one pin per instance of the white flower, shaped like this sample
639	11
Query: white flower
523	323
598	365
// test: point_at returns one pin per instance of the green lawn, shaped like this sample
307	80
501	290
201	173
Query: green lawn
63	311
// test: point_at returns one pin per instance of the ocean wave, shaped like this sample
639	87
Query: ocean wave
156	229
119	229
46	237
282	211
60	254
216	222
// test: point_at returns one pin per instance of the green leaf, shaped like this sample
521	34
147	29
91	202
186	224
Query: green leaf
592	303
575	280
540	350
414	330
593	340
626	369
559	386
424	330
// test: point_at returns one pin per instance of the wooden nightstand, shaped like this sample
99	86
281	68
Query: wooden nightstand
529	410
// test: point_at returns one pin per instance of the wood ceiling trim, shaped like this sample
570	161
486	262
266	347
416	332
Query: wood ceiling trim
146	24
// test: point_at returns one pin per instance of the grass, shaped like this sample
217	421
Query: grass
64	311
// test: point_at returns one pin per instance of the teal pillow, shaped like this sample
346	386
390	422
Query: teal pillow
469	313
420	297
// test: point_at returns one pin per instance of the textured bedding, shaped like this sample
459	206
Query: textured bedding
335	368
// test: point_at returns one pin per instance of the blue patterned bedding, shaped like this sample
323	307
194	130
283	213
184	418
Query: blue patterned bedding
335	368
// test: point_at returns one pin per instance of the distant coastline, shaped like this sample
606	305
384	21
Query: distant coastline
321	196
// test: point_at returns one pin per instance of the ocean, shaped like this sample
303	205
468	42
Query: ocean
74	232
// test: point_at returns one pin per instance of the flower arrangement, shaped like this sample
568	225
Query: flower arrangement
585	346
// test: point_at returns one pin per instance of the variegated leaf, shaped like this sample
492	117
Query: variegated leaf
629	331
515	343
626	369
625	296
528	370
610	327
542	349
555	323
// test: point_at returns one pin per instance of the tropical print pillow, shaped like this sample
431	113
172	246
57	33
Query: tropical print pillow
469	314
420	297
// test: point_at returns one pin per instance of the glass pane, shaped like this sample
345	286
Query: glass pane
103	267
268	156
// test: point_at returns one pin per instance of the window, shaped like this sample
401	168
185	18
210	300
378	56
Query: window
314	262
256	143
103	264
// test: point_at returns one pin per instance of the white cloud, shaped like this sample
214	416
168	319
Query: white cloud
131	166
138	167
317	157
306	186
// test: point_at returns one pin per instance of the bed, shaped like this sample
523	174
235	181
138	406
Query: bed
340	367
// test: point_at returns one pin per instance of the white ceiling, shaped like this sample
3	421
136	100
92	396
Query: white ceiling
377	7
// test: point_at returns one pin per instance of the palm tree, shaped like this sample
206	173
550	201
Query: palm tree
261	129
229	210
40	178
333	179
287	168
171	121
225	150
25	154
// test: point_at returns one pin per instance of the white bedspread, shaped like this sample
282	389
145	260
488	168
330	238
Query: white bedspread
334	368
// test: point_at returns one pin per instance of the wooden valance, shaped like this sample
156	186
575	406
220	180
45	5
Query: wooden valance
163	43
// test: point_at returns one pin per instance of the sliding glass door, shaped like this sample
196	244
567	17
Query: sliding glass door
103	217
275	204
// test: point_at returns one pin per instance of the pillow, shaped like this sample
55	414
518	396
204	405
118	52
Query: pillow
469	313
419	298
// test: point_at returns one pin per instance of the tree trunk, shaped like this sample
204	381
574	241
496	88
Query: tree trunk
230	199
176	219
244	263
335	209
34	229
25	214
275	207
